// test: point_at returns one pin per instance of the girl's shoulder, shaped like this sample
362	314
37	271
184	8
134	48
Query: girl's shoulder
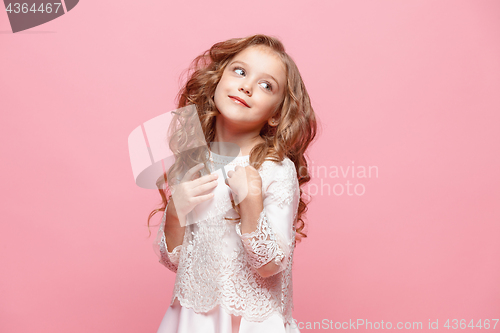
270	170
279	181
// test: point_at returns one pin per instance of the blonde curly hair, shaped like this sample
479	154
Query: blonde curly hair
296	129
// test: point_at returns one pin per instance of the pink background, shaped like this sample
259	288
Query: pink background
411	87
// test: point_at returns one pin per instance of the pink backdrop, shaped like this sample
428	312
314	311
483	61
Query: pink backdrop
410	88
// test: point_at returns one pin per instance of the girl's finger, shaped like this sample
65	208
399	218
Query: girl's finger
204	188
202	198
203	180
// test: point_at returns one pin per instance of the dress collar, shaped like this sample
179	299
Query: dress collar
227	159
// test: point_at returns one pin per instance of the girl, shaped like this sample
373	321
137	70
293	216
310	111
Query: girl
234	264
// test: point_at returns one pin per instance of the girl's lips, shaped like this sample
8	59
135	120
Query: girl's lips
239	100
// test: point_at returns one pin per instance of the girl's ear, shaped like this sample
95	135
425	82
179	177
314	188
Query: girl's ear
272	122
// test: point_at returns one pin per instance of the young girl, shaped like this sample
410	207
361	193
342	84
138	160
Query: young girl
234	265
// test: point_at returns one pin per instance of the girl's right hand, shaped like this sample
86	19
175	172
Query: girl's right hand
190	192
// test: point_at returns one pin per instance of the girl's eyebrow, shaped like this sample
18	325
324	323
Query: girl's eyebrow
243	63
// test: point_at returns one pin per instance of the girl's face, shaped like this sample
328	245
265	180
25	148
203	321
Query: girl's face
251	88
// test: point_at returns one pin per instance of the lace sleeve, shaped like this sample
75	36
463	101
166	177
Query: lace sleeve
168	259
274	237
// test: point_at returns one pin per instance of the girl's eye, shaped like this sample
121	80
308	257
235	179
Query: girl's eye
268	86
239	70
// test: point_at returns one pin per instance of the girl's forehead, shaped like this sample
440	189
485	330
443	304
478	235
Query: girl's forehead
258	51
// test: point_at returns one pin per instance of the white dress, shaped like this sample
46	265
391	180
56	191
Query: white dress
217	287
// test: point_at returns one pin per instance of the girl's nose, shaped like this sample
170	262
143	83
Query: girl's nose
246	89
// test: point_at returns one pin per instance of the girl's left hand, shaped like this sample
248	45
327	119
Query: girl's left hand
244	181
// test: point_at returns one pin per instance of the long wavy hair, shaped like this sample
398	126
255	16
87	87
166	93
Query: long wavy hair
292	136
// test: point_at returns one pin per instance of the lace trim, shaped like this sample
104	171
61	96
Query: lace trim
226	160
223	161
170	259
260	245
231	311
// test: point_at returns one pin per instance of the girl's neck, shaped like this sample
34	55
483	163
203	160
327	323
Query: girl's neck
238	143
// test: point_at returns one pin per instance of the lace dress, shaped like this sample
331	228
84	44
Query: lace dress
217	287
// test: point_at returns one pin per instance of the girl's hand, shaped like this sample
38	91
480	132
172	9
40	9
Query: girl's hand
190	192
244	181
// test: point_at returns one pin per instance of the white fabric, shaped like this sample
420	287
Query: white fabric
216	265
179	319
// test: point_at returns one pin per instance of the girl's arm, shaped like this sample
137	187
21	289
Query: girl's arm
188	193
169	240
174	233
251	209
267	224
